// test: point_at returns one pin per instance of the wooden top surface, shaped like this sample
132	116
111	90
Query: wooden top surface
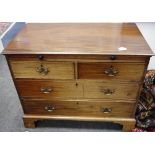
99	39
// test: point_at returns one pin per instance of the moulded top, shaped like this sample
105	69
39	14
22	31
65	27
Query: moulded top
79	38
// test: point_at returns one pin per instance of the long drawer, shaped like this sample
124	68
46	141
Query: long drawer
42	69
110	90
78	108
111	71
49	89
77	89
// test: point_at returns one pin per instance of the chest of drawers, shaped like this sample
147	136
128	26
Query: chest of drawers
86	72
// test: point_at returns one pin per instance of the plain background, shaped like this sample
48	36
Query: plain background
77	11
148	31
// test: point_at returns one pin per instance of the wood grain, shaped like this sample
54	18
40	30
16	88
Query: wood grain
126	71
57	70
78	108
126	91
59	89
78	38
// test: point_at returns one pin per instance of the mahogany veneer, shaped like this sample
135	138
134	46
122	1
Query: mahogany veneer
91	72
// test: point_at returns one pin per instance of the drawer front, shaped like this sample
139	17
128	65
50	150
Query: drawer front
49	89
79	108
109	71
42	69
126	91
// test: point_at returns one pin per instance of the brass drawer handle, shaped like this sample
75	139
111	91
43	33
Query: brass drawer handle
46	90
106	110
108	91
111	71
49	108
42	70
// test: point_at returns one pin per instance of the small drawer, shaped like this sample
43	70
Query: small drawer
49	89
42	69
78	108
111	71
106	90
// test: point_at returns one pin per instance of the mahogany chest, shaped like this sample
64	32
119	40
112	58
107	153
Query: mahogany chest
86	72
